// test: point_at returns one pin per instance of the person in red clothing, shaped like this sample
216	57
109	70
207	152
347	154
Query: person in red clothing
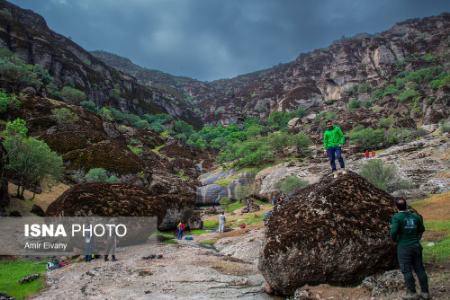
181	226
366	154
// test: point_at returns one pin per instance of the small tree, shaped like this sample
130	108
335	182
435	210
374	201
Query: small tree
30	160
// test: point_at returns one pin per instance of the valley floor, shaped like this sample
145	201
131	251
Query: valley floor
189	270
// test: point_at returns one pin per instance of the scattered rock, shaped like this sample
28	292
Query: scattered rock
153	256
250	204
332	232
4	296
145	273
15	213
383	284
29	278
37	210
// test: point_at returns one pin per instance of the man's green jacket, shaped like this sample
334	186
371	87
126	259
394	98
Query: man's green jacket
333	138
406	228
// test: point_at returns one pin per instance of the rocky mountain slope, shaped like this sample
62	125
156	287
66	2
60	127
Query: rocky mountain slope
27	35
324	79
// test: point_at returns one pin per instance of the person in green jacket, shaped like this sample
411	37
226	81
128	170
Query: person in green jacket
406	230
333	139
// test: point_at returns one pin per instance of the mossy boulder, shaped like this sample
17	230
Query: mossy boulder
110	155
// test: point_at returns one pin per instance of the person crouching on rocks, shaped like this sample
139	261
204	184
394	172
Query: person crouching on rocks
333	139
222	222
181	226
406	230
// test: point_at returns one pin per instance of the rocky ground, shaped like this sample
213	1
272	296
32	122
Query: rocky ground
186	271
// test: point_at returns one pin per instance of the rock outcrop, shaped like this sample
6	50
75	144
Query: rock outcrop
334	231
113	200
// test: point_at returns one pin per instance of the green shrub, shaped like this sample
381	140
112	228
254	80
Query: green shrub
278	120
407	94
106	114
390	90
19	74
424	75
100	175
443	80
8	102
115	92
89	105
367	137
291	184
398	135
444	126
383	176
142	124
278	140
386	122
325	116
138	150
302	142
64	115
354	104
72	95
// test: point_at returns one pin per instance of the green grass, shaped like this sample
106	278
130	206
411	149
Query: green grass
12	271
248	220
208	242
199	231
233	206
211	224
441	250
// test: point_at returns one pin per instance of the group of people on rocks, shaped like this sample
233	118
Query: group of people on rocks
111	245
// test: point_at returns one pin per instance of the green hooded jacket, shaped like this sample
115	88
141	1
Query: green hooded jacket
333	138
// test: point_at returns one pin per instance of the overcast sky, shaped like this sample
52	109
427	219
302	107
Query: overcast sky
212	39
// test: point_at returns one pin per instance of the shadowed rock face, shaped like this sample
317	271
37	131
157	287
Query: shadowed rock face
334	231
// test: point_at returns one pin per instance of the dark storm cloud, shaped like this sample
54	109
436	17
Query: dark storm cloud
211	39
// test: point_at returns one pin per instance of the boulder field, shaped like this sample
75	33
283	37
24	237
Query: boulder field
334	231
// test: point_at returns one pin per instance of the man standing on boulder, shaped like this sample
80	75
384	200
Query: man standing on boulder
333	139
406	230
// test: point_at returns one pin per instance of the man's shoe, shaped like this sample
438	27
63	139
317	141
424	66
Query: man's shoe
114	258
344	172
425	296
335	175
410	296
106	258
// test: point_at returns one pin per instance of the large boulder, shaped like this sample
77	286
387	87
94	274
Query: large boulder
113	200
334	231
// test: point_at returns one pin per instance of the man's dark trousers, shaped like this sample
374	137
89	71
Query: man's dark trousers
410	258
333	153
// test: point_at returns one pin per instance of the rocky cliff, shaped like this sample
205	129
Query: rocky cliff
324	79
26	34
